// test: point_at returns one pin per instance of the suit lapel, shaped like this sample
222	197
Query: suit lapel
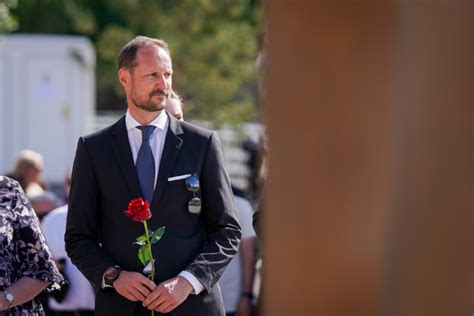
170	151
123	154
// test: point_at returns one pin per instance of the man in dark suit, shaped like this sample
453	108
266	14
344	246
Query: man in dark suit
150	154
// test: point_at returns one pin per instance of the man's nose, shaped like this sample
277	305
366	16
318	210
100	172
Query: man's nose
162	83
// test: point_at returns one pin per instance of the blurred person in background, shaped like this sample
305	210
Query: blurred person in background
258	217
237	280
28	171
26	267
43	203
252	148
174	105
66	188
260	181
78	298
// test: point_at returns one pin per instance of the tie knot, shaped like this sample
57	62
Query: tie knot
147	130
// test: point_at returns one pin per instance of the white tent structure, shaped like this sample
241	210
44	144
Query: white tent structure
47	98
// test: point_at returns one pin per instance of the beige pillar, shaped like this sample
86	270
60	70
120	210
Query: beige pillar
368	112
430	255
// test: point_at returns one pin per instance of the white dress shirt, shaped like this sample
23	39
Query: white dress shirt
157	142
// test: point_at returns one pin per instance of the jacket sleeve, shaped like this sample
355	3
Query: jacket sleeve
82	237
223	231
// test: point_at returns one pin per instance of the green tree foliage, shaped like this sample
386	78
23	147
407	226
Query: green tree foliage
213	43
8	22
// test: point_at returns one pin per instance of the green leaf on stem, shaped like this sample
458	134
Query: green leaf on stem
144	254
141	238
157	235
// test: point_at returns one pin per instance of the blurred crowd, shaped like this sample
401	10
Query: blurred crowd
240	284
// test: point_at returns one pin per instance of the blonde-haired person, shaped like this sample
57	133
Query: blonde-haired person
28	171
174	105
26	266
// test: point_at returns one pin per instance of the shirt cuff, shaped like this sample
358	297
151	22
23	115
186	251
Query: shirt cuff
195	283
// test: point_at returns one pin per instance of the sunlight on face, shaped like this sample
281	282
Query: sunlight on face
151	79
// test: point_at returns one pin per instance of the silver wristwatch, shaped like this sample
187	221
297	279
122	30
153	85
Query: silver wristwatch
9	297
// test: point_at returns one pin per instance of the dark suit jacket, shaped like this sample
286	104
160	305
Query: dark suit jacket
98	235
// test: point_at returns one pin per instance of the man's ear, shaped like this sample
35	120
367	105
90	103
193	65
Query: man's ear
123	76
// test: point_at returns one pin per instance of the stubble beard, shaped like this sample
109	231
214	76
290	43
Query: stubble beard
149	105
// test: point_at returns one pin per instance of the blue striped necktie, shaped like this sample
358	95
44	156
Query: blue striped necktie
146	164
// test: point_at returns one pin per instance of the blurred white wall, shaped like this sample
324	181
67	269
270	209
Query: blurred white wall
47	98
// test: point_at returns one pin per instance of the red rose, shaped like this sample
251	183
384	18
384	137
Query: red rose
138	210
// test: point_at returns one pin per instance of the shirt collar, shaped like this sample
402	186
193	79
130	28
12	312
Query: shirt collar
160	121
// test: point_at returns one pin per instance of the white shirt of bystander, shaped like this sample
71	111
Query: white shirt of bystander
80	295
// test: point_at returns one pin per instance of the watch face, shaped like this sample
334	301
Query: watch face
111	274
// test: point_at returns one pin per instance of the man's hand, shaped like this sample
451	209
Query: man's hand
134	286
168	295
